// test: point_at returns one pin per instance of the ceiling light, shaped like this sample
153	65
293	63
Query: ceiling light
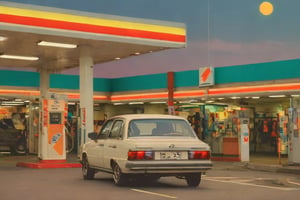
117	103
295	95
30	58
117	58
56	44
133	103
235	97
255	97
276	96
158	102
2	38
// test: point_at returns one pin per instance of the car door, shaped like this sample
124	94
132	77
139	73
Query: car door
113	142
96	147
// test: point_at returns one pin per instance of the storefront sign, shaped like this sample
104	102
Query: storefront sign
206	76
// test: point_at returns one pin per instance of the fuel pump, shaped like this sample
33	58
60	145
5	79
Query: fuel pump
293	136
52	137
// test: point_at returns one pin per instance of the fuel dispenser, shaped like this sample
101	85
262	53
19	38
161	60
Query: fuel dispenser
294	136
52	137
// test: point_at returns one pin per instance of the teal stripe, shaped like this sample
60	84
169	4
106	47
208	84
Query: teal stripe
145	82
19	78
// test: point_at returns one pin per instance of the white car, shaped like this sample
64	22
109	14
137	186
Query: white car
147	146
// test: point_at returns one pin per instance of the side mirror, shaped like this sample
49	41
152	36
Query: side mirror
92	135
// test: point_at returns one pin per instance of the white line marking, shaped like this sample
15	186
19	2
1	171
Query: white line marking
255	185
154	193
292	182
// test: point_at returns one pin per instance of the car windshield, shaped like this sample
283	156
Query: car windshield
159	128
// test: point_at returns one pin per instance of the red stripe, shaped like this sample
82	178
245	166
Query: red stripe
90	28
259	89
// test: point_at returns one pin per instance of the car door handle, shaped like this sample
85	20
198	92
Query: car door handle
112	146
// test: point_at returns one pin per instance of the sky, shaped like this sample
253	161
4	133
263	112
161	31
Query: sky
220	33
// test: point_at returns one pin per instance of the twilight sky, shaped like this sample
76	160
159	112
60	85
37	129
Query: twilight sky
219	32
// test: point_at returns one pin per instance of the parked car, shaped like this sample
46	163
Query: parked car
12	140
146	147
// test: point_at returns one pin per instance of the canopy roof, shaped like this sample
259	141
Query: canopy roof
108	36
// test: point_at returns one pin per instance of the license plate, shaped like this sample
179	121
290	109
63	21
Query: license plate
171	155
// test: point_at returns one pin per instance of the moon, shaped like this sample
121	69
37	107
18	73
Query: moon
266	8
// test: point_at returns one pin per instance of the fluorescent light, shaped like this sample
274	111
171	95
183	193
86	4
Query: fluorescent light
295	95
116	104
133	103
117	58
276	96
235	97
158	102
56	44
30	58
255	97
12	103
2	38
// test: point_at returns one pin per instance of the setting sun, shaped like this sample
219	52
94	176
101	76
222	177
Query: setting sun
266	8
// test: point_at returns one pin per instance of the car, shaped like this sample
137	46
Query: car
12	140
146	147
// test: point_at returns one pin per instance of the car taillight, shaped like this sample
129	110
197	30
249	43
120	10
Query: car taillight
140	155
199	155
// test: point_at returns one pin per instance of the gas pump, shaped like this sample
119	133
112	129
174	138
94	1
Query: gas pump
244	139
52	137
293	136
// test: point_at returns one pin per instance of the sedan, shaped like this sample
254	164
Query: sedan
146	147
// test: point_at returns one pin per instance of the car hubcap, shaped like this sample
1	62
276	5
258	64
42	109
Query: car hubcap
116	174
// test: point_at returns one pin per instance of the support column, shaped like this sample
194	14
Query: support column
86	66
44	88
171	109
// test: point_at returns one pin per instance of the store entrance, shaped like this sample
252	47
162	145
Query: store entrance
219	125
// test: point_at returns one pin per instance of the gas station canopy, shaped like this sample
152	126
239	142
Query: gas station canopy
23	27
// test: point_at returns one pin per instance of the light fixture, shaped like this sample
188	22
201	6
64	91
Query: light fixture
133	103
118	103
157	102
117	58
29	58
255	97
12	103
235	97
295	95
2	38
276	96
56	44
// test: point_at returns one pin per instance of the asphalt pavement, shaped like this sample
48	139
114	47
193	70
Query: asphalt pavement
257	162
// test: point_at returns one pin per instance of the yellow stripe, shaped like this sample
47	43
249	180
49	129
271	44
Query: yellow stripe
91	20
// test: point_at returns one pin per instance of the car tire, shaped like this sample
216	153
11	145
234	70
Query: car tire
120	179
21	148
193	180
87	172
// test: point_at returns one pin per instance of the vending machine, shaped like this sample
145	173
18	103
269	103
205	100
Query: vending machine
52	134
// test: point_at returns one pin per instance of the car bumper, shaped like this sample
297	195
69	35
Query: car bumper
165	167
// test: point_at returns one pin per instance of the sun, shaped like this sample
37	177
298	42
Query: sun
266	8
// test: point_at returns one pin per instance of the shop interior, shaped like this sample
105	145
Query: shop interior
216	121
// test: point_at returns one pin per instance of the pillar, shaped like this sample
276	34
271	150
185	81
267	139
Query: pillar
86	93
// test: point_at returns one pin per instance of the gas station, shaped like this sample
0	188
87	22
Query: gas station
237	108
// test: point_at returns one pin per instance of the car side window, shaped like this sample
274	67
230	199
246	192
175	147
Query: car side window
116	131
105	128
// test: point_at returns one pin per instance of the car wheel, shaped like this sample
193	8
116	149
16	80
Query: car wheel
120	179
87	172
193	180
20	149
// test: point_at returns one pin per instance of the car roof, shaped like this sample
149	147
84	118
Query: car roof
147	116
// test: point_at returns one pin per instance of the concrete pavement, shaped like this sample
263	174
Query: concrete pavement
257	162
